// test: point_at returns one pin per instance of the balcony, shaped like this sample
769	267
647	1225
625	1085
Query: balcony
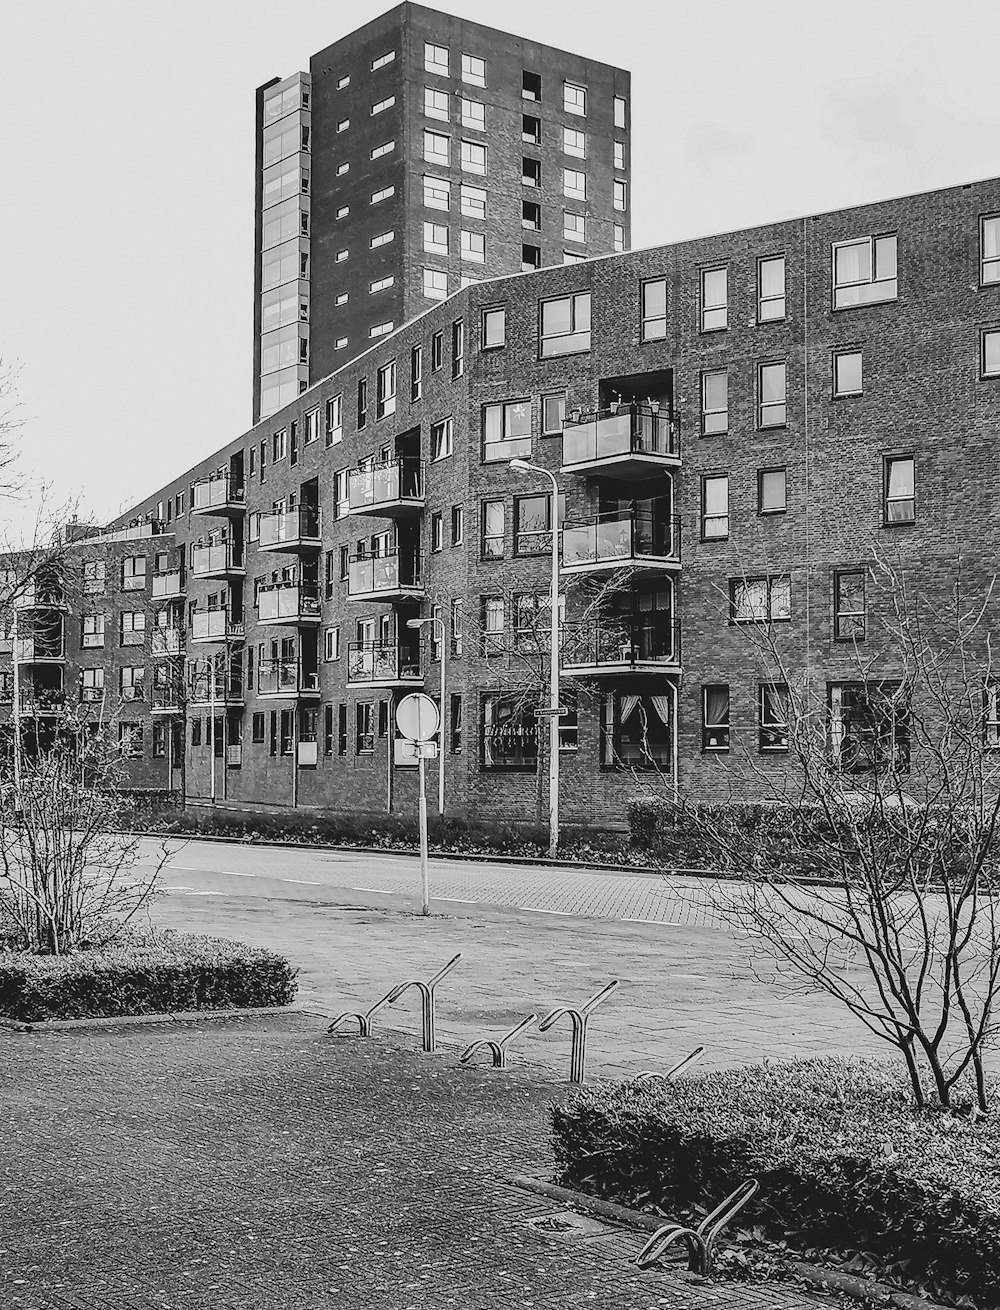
41	704
166	700
288	604
168	585
218	495
383	664
38	595
285	679
290	530
40	650
632	441
384	577
218	690
617	645
215	625
222	560
388	490
622	541
166	641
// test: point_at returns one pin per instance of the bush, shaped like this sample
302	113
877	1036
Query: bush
143	975
842	1158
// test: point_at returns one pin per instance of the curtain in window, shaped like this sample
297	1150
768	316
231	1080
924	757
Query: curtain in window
853	263
629	705
716	706
662	706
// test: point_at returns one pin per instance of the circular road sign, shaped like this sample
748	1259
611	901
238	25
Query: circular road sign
417	717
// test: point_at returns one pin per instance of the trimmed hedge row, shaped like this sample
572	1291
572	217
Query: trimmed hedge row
143	975
842	1158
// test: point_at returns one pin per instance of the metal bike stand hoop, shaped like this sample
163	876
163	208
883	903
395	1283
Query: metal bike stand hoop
497	1049
426	990
701	1242
654	1075
578	1017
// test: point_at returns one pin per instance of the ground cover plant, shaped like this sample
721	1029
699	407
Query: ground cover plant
143	974
843	1158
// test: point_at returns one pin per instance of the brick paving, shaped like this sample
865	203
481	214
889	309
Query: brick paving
262	1164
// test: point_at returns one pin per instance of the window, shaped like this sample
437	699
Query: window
437	531
473	70
92	634
771	395
864	272
507	430
531	130
654	309
847	375
991	718
619	239
437	193
341	495
990	354
334	420
133	628
343	211
770	288
773	726
620	111
133	573
574	143
257	729
457	525
714	299
311	427
474	115
531	258
436	58
620	155
714	402
362	403
341	255
130	740
344	562
849	612
437	148
442	438
364	740
341	729
531	216
339	344
436	633
771	491
574	227
329	573
385	390
574	99
473	201
159	741
509	733
386	148
760	600
416	373
455	726
553	413
869	726
457	348
715	717
899	493
435	284
473	247
381	284
196	732
473	157
91	685
382	194
437	351
130	682
436	104
620	194
436	238
328	730
574	184
714	506
533	534
636	731
343	125
342	169
565	325
989	250
494	524
531	172
494	624
531	85
494	329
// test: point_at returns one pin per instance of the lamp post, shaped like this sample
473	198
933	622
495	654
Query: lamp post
419	623
523	466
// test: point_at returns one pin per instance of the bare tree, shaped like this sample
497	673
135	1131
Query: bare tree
891	799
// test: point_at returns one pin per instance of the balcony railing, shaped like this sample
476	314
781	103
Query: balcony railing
290	529
35	650
219	688
382	662
35	704
168	585
167	641
286	678
630	441
613	541
40	595
166	700
216	561
383	575
386	489
219	494
617	644
287	602
215	625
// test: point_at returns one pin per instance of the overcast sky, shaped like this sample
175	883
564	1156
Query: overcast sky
126	146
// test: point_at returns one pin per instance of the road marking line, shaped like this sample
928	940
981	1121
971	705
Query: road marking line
306	882
226	873
531	909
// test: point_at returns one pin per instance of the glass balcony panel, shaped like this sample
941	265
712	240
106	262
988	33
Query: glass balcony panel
167	585
217	493
622	641
224	557
287	601
381	573
386	484
628	430
283	527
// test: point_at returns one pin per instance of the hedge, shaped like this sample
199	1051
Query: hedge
143	975
843	1161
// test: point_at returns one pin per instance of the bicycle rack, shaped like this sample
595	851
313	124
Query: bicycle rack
653	1075
426	990
497	1049
701	1242
578	1018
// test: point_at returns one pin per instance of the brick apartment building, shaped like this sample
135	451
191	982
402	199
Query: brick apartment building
783	400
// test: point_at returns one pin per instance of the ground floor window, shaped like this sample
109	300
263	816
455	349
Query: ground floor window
869	726
637	731
509	732
773	718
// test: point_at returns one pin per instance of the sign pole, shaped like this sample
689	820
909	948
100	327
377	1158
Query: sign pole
424	876
417	719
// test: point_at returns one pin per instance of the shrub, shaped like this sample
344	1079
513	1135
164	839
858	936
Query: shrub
143	975
842	1158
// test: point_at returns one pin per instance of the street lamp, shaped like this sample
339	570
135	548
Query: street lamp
419	623
523	466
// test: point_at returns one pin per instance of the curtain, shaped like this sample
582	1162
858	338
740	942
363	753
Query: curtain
716	706
662	705
629	704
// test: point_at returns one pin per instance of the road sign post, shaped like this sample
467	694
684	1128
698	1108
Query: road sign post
417	719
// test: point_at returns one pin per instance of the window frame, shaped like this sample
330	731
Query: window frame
504	440
766	424
645	318
704	516
840	615
768	728
761	474
762	300
572	297
769	580
704	308
848	352
488	313
888	460
706	431
721	727
873	280
984	333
